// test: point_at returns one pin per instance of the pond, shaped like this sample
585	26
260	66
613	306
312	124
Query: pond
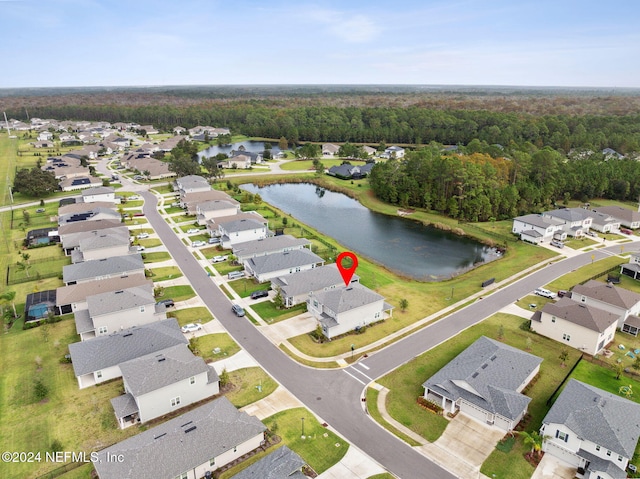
400	244
249	145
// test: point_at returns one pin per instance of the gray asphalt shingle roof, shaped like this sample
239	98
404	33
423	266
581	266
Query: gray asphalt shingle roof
124	405
180	444
620	213
241	225
117	348
121	300
79	292
282	463
581	314
597	416
538	220
103	240
570	214
81	226
487	374
268	245
159	369
608	293
98	190
285	260
344	299
315	279
215	205
102	267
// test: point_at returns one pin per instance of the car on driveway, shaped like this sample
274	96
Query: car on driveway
545	293
167	303
198	244
139	248
214	241
593	234
237	310
143	235
262	293
218	259
557	244
193	231
626	231
191	327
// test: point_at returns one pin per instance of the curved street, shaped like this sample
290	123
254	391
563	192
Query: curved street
336	395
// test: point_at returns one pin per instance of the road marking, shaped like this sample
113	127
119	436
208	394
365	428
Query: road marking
358	371
364	366
361	382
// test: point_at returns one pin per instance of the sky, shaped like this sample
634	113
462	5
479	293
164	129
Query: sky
54	43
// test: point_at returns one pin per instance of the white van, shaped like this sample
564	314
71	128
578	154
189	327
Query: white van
545	293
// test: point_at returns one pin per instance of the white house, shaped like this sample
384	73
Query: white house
101	245
45	136
345	309
163	382
99	193
576	221
212	209
239	228
538	229
627	218
186	447
485	381
393	152
329	150
191	184
604	223
264	268
585	328
190	201
592	430
270	245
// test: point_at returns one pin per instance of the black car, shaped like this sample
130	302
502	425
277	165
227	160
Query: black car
168	303
263	293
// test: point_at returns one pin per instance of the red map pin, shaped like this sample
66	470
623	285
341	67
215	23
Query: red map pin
347	273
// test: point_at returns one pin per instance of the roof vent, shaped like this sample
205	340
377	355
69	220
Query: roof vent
186	424
118	292
161	435
484	366
192	428
475	375
128	334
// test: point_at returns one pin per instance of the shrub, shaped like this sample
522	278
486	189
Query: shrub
430	405
40	391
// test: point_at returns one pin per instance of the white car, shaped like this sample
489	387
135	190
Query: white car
134	197
193	231
218	259
143	235
545	293
191	327
139	248
197	244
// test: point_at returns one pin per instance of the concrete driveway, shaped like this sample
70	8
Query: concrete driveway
551	467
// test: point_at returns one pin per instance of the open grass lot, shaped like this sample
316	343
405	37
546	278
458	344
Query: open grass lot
267	311
82	472
321	448
384	475
577	243
190	315
205	346
165	273
249	385
179	293
163	189
171	210
569	280
245	286
82	420
156	257
304	165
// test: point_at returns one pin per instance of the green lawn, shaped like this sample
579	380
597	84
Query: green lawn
384	475
530	299
583	274
511	465
249	385
165	273
267	311
198	314
245	286
372	407
321	448
179	293
205	345
156	257
303	165
226	267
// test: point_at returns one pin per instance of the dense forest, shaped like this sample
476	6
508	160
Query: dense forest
479	187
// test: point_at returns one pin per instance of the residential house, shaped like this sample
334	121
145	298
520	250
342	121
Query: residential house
297	287
101	245
369	150
604	223
611	154
94	214
84	207
99	194
209	210
632	268
347	172
345	309
99	360
45	136
190	201
102	268
329	150
239	228
153	169
576	221
627	218
282	463
72	298
269	245
592	430
585	328
66	138
149	129
122	143
118	310
393	152
42	144
178	130
71	241
255	158
485	381
264	268
187	447
241	161
538	229
170	143
163	382
80	226
619	301
191	184
79	183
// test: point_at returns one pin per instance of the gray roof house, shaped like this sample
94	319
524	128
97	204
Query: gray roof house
593	430
604	223
101	245
576	221
264	268
71	241
163	382
80	226
215	209
192	184
538	229
98	193
297	287
485	381
345	309
627	218
239	228
355	172
117	310
269	245
190	201
578	325
188	446
97	213
99	360
85	207
102	268
282	463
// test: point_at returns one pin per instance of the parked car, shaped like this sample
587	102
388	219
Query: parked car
175	205
197	244
545	293
626	231
562	293
218	259
143	235
40	210
593	234
262	293
191	327
557	244
134	197
235	274
167	303
237	310
139	248
192	231
138	177
115	177
214	241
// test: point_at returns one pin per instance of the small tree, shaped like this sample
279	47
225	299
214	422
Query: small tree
535	440
636	363
278	301
619	369
40	391
224	378
501	332
404	304
9	297
564	355
56	446
158	291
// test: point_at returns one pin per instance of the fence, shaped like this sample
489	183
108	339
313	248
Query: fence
553	395
36	269
59	471
599	275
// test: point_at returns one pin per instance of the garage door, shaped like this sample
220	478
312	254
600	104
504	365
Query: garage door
474	411
561	453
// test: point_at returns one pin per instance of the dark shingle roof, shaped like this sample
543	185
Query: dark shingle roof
608	293
598	416
180	444
342	299
121	300
581	314
268	245
102	267
282	463
280	261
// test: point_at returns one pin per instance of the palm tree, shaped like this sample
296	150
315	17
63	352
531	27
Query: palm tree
535	440
9	297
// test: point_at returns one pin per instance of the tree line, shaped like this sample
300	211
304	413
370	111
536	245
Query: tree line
475	186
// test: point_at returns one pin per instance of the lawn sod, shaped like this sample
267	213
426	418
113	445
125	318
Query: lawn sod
245	286
320	447
179	293
165	273
372	407
213	347
249	385
268	311
155	257
199	314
